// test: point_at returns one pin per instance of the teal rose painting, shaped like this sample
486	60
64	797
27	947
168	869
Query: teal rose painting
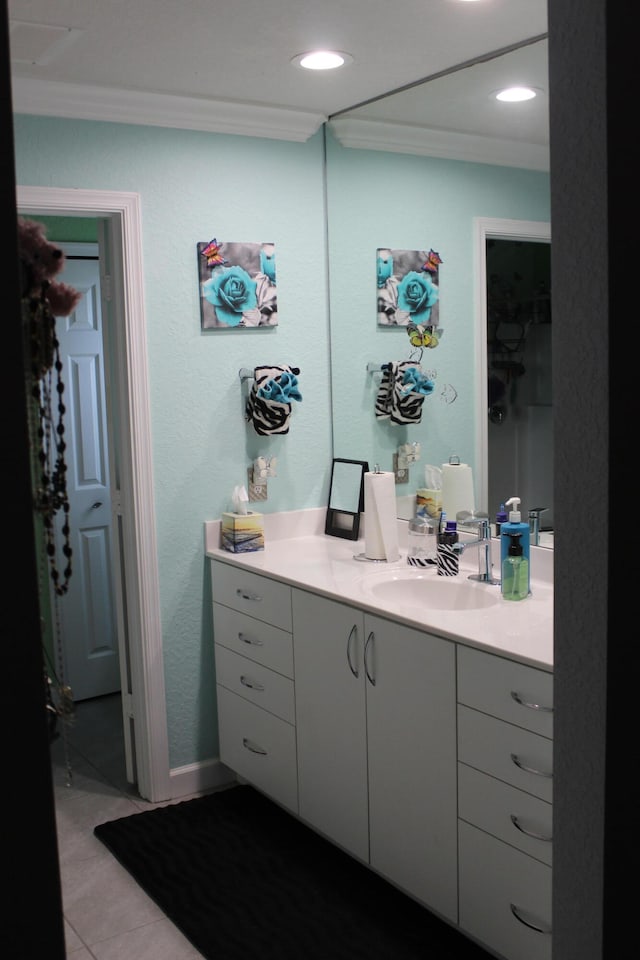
237	285
408	287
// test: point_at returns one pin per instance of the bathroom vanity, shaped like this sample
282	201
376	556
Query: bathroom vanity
407	719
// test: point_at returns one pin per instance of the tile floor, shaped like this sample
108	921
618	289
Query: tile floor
106	914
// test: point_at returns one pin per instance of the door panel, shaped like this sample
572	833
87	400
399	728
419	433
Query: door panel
86	611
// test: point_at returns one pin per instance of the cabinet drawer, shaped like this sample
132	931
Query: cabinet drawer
521	758
270	646
511	815
505	896
511	691
260	597
259	747
265	688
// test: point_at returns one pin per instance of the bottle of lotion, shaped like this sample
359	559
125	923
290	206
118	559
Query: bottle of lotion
515	571
514	525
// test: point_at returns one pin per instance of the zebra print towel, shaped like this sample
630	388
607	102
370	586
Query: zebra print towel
401	393
268	406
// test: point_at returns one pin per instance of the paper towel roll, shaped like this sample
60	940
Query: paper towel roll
457	489
380	524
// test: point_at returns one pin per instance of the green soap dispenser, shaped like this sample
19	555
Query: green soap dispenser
515	571
515	525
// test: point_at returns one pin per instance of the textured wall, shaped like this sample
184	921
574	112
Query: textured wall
194	187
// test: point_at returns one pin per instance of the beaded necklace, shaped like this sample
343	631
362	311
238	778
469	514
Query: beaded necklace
45	419
47	432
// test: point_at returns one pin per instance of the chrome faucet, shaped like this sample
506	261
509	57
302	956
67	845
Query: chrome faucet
483	543
534	525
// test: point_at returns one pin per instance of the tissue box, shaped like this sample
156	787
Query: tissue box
242	532
428	502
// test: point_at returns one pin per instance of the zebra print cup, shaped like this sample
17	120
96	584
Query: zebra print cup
446	559
447	556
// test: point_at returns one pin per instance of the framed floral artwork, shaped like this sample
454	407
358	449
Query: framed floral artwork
237	285
408	287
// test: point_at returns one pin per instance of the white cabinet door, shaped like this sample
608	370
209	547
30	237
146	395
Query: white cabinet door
376	736
411	723
328	645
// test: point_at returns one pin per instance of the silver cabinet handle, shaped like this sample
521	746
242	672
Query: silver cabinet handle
530	706
544	928
96	505
253	747
251	640
370	676
522	766
252	684
528	833
248	596
353	635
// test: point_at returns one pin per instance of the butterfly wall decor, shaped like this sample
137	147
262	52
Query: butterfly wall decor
212	254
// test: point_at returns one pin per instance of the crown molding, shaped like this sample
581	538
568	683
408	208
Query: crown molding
71	101
405	138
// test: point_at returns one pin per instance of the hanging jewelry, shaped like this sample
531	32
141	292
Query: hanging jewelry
42	300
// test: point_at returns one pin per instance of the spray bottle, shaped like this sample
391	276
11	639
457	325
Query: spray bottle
515	526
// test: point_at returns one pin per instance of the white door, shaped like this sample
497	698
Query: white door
87	617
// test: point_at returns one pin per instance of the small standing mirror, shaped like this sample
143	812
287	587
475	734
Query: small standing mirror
346	498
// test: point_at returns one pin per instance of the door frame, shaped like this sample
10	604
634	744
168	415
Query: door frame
485	228
146	704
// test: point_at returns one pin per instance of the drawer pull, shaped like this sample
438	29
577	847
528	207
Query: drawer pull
353	635
245	639
529	833
253	747
252	684
522	766
530	706
544	928
370	676
248	596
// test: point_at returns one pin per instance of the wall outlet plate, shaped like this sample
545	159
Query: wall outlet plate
402	473
257	491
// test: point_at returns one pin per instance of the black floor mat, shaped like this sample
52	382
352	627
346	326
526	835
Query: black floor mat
243	879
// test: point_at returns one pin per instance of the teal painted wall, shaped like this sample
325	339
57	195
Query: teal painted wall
196	186
70	229
193	187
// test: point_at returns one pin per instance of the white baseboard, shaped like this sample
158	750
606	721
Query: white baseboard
200	778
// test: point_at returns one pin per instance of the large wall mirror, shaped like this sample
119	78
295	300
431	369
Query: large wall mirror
444	167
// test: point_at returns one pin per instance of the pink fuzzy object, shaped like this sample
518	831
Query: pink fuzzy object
42	261
62	298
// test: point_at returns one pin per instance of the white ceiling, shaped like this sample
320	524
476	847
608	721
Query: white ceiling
204	64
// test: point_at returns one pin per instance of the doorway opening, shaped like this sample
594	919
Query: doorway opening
519	397
140	637
527	233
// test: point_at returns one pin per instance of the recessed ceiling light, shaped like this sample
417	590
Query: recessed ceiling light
322	59
516	94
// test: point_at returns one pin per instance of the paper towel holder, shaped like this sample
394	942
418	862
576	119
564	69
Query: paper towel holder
346	498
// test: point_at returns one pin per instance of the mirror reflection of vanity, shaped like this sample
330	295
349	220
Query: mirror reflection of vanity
402	174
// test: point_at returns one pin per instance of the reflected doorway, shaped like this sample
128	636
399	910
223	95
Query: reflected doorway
519	409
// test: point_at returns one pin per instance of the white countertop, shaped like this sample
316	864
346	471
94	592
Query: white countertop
298	552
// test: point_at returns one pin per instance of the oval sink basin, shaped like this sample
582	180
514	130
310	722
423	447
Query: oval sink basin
439	593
